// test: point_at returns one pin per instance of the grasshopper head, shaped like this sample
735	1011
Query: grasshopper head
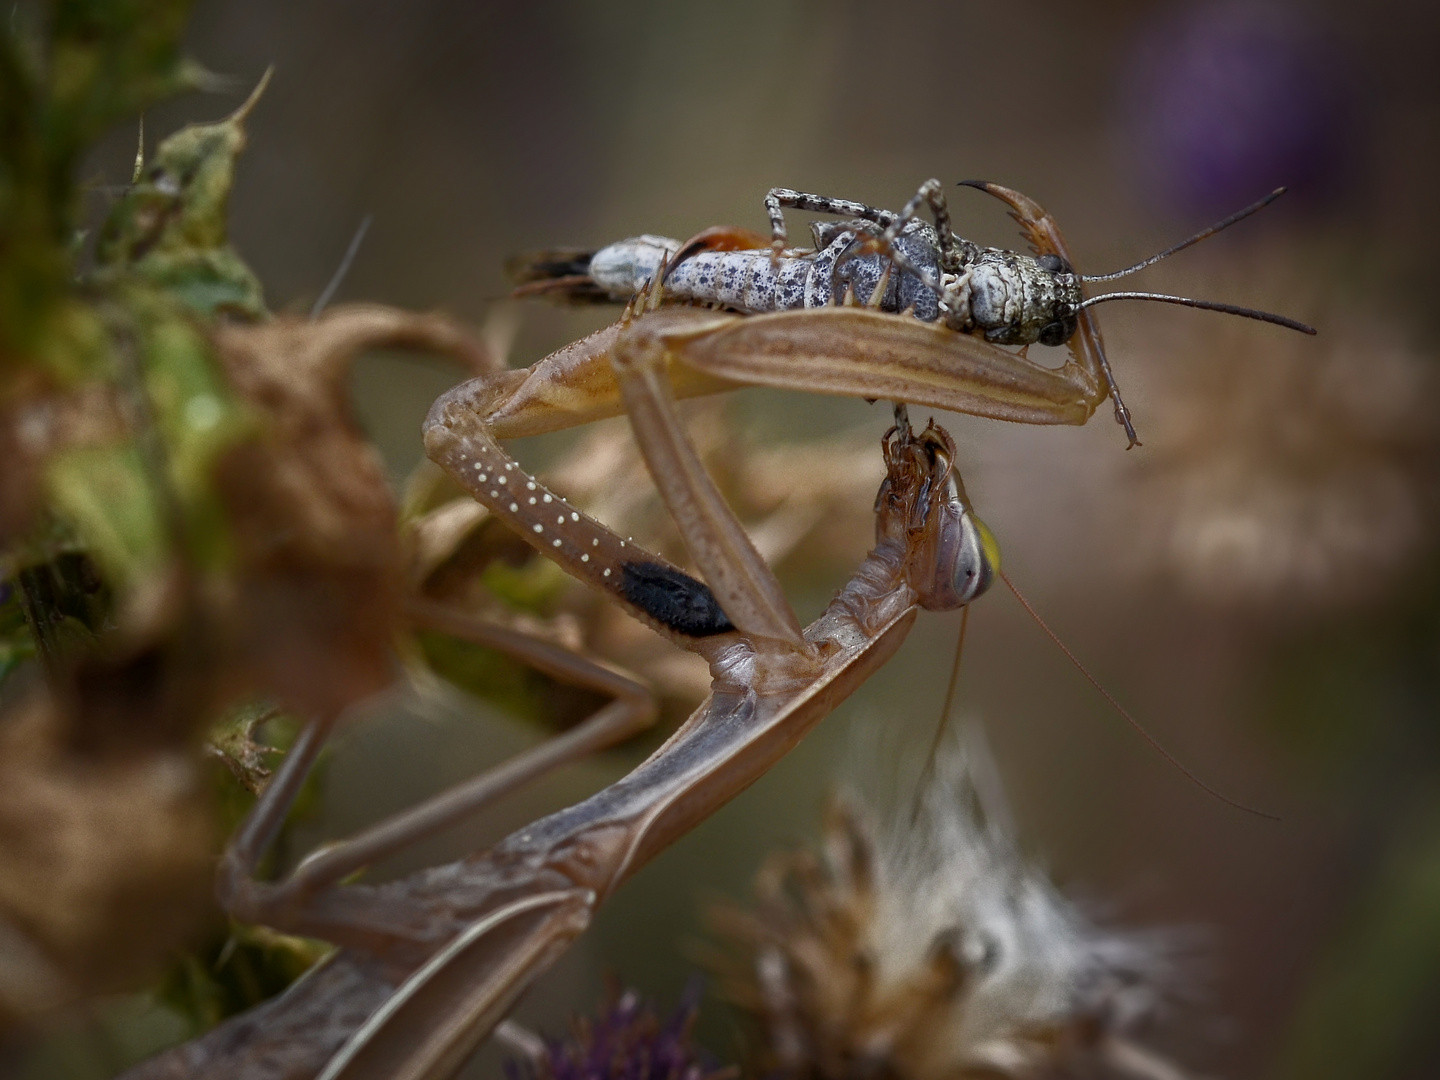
1017	300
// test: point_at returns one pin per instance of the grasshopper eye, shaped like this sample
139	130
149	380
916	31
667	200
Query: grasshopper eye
1057	332
1053	264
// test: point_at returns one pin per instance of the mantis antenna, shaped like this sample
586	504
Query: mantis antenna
1155	743
944	722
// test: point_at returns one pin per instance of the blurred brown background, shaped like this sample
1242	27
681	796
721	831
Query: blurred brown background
1257	582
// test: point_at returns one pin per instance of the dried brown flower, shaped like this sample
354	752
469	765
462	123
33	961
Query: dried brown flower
930	949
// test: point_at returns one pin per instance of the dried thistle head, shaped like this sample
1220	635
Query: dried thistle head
928	948
627	1040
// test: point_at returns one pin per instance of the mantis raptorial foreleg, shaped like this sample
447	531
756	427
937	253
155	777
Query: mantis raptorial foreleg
1087	347
846	351
746	588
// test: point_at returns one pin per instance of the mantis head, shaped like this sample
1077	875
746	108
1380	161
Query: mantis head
952	557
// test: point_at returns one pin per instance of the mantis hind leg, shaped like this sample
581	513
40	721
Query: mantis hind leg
306	900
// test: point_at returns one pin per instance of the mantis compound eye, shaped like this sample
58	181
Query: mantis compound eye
958	557
1057	332
1053	264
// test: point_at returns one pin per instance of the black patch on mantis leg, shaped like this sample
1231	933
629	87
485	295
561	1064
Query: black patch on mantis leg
679	601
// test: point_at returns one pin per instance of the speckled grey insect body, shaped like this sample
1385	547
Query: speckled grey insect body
1011	299
754	282
895	263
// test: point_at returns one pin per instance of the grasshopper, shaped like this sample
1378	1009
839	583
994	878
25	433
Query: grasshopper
899	264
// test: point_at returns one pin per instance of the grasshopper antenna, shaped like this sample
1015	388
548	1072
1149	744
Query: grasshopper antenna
1204	234
1204	305
940	728
1155	743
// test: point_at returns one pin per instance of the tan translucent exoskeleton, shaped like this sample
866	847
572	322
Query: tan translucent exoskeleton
430	963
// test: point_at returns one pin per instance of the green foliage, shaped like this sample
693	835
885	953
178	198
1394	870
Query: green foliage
236	971
170	228
136	324
488	674
16	643
57	608
534	585
100	61
109	60
104	494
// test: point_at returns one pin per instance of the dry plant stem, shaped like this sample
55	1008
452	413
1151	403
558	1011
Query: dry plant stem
631	712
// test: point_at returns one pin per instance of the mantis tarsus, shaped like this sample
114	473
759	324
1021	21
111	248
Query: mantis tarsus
430	963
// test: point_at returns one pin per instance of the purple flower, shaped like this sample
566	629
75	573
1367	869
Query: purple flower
626	1041
1229	101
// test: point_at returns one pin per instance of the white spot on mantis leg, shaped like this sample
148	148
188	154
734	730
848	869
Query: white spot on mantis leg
539	528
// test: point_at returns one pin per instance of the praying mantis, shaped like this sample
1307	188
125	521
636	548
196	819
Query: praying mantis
430	963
